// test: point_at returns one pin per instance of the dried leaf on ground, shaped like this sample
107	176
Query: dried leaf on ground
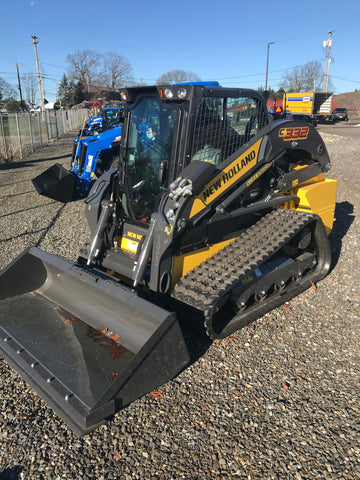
155	395
228	340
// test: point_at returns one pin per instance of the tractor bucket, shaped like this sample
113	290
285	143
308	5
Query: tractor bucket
86	344
57	183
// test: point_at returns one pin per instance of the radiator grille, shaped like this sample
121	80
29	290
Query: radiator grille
82	157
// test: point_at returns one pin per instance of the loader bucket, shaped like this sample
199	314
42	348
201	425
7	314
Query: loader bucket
57	183
87	344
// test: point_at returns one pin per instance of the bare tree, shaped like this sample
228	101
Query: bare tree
117	71
30	87
6	90
177	76
83	66
304	78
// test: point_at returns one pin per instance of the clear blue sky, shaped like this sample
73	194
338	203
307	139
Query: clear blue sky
218	40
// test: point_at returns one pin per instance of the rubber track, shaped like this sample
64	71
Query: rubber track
205	285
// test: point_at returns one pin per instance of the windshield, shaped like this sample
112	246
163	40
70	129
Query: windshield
110	118
150	143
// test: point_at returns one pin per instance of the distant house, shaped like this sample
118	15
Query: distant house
47	106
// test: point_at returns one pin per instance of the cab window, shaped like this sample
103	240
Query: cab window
223	125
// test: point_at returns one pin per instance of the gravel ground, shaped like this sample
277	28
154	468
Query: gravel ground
278	400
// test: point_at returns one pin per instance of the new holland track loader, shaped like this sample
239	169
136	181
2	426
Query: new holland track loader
215	215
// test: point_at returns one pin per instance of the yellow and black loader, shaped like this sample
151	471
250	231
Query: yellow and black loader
215	215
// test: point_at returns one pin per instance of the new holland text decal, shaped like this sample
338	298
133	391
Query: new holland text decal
226	178
294	133
230	174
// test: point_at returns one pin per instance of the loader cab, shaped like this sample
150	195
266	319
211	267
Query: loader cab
169	127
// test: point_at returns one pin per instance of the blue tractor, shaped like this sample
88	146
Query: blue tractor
91	127
110	117
91	157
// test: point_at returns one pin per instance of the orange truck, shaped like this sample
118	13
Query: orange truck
313	105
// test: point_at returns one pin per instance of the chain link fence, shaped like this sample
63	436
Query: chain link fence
22	133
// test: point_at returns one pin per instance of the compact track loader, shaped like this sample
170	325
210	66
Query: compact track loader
215	215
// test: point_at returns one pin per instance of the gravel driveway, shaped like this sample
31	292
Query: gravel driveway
278	400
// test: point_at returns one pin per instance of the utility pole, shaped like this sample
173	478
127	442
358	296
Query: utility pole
327	43
56	92
43	85
267	63
21	99
35	42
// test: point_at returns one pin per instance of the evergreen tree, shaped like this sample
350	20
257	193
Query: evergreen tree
63	93
71	93
79	92
280	93
270	90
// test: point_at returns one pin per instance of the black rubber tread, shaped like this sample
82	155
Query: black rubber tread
204	286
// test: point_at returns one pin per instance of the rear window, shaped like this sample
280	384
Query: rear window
223	125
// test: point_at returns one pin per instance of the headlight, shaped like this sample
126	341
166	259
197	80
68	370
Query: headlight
181	93
173	92
168	93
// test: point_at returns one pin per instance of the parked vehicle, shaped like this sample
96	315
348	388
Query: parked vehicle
91	157
315	105
215	215
340	114
110	117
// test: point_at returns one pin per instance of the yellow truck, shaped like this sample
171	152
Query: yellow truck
310	105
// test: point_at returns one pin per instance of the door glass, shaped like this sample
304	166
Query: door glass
150	142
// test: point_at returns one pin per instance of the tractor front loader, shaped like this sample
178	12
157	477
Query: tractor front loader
215	215
92	155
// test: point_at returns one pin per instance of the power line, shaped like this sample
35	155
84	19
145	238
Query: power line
346	79
262	73
55	66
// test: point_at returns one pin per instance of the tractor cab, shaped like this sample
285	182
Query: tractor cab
167	128
111	117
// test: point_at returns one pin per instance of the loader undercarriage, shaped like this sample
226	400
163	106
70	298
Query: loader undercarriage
268	264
